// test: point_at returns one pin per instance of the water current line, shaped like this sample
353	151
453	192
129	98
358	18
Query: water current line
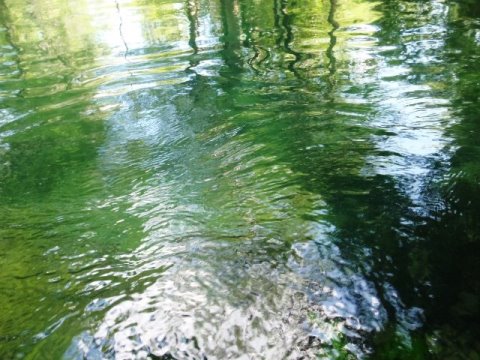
332	66
282	22
192	10
117	5
289	37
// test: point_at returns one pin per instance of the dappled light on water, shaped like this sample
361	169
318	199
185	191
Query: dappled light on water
240	179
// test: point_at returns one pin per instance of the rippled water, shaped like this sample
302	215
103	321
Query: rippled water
239	179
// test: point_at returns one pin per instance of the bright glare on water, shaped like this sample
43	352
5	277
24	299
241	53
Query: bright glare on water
239	179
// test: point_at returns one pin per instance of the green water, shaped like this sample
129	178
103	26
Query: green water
239	179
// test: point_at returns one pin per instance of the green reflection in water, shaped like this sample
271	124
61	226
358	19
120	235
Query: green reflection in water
218	179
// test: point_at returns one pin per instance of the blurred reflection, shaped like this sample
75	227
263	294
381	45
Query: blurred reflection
238	178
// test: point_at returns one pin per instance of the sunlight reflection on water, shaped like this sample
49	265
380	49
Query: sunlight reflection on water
230	179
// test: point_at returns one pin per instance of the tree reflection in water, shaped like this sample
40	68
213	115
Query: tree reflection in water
256	178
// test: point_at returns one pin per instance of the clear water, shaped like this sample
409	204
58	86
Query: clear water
239	179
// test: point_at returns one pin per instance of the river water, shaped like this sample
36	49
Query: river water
239	179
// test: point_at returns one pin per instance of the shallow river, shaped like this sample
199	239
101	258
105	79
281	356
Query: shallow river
239	179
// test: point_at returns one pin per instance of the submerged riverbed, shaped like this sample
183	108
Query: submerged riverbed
239	179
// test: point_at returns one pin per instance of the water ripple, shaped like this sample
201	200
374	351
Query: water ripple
237	179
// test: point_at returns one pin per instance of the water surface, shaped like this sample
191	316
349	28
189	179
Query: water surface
239	179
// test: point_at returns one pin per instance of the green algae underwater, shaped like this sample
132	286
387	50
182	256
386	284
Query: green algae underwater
239	179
